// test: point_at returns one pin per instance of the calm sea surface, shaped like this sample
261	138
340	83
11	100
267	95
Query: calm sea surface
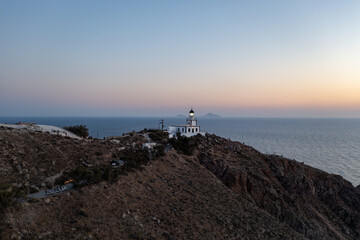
332	145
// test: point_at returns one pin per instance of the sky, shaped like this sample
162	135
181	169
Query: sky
279	58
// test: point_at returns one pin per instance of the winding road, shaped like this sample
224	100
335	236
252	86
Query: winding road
53	191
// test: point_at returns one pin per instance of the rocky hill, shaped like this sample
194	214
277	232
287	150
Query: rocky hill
201	188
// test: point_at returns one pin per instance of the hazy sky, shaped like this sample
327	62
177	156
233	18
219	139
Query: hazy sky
141	58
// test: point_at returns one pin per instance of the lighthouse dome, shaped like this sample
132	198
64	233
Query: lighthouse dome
191	113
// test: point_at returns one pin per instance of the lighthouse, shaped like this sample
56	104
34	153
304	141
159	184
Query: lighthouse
191	128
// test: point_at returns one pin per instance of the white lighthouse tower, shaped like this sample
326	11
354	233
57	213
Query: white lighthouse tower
191	120
191	128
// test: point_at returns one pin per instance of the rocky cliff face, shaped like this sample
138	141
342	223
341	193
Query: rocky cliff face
224	190
314	203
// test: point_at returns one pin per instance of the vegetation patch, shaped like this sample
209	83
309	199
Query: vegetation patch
158	151
80	130
84	175
184	145
133	158
158	135
8	195
7	200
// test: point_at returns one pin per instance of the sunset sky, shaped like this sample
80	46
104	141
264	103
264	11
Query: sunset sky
159	58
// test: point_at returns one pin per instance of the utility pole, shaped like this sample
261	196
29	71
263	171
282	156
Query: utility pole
161	124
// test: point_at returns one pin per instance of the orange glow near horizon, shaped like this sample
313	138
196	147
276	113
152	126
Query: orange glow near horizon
267	94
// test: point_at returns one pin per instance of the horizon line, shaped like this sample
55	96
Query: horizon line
203	116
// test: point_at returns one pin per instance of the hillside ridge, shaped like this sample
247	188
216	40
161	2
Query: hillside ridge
219	189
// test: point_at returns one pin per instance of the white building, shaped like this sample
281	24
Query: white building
191	128
149	145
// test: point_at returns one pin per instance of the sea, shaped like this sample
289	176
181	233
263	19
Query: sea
332	145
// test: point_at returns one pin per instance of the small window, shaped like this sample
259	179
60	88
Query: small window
182	129
193	130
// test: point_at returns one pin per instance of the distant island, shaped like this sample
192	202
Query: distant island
211	115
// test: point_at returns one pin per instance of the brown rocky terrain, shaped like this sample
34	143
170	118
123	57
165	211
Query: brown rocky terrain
314	203
222	190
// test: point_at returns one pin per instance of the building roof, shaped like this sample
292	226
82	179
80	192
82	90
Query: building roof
188	125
